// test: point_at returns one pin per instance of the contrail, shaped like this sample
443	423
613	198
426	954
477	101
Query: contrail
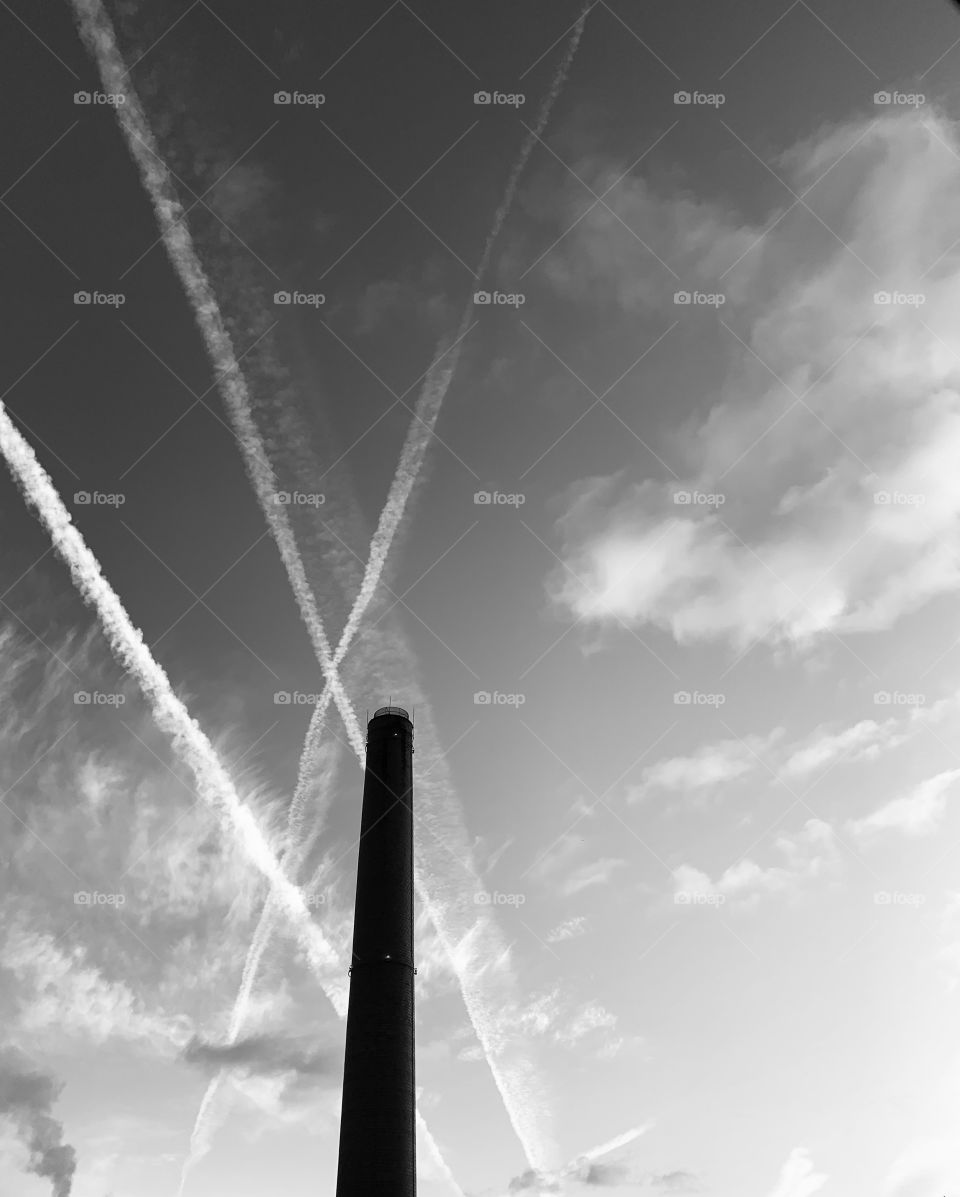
603	1149
411	460
97	31
440	375
201	1134
213	783
438	1159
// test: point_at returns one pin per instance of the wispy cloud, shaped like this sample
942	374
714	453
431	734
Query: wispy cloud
914	814
797	1177
833	435
570	929
808	854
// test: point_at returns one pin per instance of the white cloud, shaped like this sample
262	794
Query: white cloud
567	930
797	1177
861	741
65	995
711	765
800	547
916	813
594	872
808	854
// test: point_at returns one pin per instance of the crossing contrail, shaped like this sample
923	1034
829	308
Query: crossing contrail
440	375
201	1134
213	783
97	31
418	438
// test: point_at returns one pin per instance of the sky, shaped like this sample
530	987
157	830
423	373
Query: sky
593	371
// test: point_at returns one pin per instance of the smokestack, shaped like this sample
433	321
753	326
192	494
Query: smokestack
377	1118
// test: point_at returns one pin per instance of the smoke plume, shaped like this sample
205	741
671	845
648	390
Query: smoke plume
26	1097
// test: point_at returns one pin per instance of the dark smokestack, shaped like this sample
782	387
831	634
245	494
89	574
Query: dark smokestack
377	1119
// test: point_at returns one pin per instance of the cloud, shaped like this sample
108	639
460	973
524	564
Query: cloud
65	995
539	1182
716	763
594	872
797	1177
560	1020
711	765
26	1098
570	929
808	854
834	434
263	1055
916	813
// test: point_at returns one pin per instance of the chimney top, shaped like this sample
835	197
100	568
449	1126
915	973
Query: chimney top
390	711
